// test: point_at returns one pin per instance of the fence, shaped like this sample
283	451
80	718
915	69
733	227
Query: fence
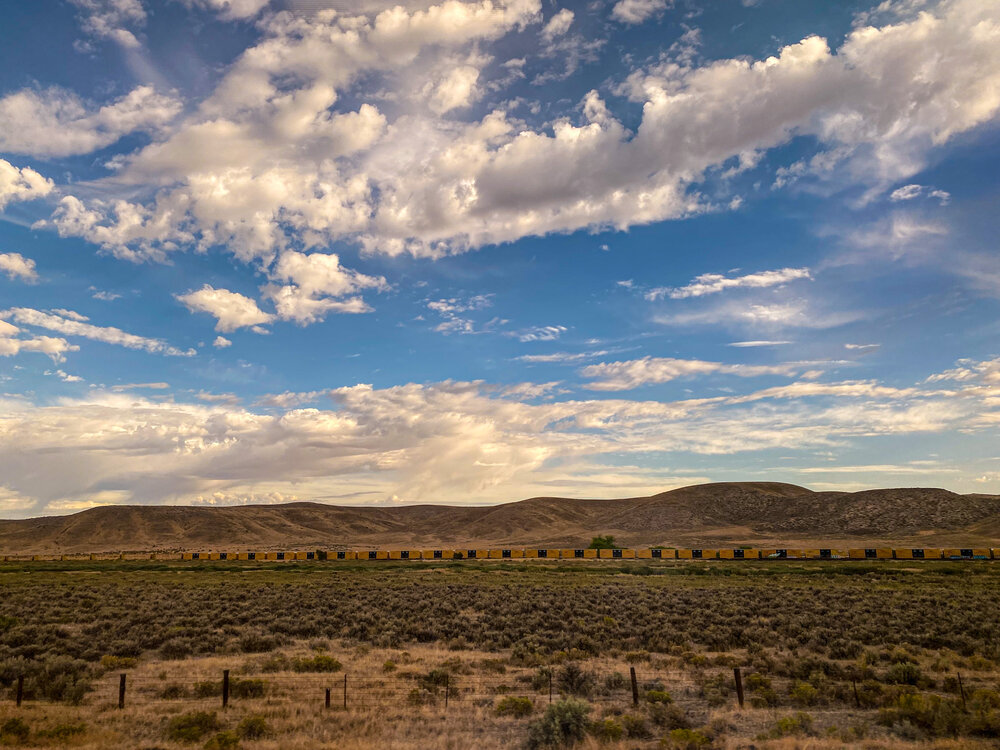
344	691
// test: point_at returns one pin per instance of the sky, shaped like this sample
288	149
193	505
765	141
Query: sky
472	251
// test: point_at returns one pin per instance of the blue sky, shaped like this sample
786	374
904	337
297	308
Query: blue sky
470	252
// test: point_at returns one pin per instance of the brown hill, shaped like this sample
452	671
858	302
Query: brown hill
726	513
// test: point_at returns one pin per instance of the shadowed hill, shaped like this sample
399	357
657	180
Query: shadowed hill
726	513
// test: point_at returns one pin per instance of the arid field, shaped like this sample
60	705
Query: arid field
473	654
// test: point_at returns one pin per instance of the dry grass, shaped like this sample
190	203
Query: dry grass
799	633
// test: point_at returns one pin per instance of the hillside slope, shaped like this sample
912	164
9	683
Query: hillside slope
726	513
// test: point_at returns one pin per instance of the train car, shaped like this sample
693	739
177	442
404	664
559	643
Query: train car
979	553
663	554
605	554
482	554
495	554
826	553
913	553
437	554
628	554
404	554
566	554
374	554
995	553
644	554
686	554
795	554
738	554
591	554
856	554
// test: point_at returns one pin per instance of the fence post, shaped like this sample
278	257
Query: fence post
328	697
225	688
447	689
550	687
20	689
738	677
635	687
121	690
857	698
345	691
961	689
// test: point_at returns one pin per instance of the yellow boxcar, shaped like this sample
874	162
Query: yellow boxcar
530	553
978	553
566	554
552	554
590	554
856	554
644	554
628	554
767	554
812	554
395	554
685	554
482	554
605	553
185	556
932	553
995	553
496	554
517	553
794	554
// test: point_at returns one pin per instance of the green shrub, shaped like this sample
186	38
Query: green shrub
318	663
205	689
192	727
563	724
685	739
253	728
635	727
668	716
658	696
63	732
247	688
607	730
787	726
223	741
602	542
14	731
514	706
173	691
906	673
804	694
573	680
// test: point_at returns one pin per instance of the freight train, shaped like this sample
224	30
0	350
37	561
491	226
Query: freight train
657	553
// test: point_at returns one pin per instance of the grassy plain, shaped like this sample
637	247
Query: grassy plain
488	636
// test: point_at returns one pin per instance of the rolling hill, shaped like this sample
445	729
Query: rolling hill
727	513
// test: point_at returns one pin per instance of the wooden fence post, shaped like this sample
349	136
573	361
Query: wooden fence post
857	698
225	688
20	689
738	677
121	690
328	697
961	689
345	691
447	689
550	687
635	687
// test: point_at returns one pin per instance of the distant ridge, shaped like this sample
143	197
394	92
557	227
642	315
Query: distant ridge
718	514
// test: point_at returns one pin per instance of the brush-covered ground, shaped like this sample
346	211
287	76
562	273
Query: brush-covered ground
500	655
